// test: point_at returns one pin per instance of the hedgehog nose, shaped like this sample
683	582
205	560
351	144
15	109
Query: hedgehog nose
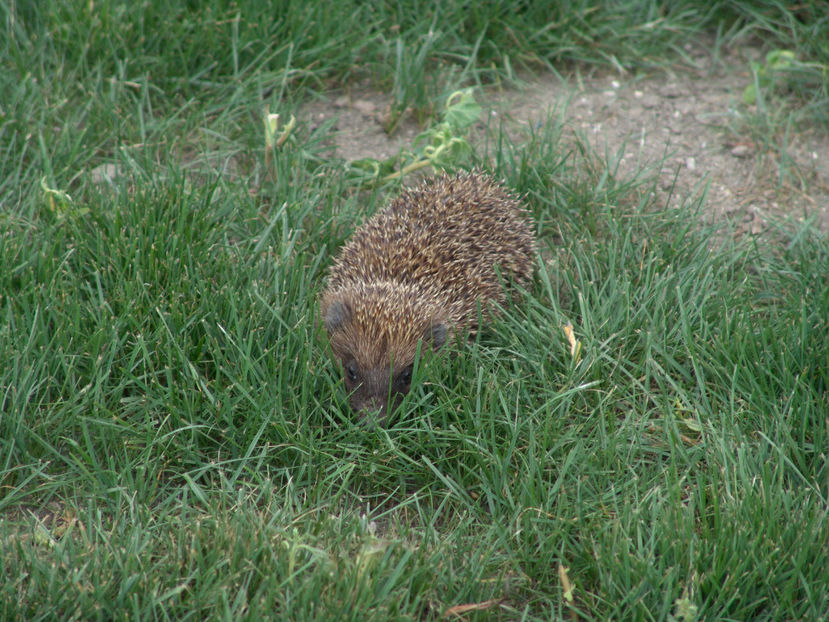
372	413
370	409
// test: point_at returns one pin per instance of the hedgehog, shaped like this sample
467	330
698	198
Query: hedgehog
418	273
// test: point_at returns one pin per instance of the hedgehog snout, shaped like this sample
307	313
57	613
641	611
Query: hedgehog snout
371	414
370	398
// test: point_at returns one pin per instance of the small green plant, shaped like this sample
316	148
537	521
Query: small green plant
60	203
767	77
444	145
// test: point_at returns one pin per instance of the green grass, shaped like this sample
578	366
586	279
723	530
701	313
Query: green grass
175	442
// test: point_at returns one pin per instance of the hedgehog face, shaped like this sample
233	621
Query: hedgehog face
375	391
376	332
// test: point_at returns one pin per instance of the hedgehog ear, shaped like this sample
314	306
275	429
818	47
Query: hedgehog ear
436	334
337	314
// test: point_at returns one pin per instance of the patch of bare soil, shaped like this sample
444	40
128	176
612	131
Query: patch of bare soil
681	121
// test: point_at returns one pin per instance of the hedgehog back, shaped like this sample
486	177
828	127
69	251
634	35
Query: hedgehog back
445	236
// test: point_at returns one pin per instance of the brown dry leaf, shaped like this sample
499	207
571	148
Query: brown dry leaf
575	344
459	610
565	583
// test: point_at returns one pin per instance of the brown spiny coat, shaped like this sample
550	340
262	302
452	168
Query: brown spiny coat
416	272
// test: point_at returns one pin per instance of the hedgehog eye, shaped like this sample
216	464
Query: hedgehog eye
352	371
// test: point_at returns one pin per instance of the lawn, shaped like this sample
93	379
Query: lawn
175	440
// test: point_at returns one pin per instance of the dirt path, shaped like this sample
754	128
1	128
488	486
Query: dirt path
685	117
